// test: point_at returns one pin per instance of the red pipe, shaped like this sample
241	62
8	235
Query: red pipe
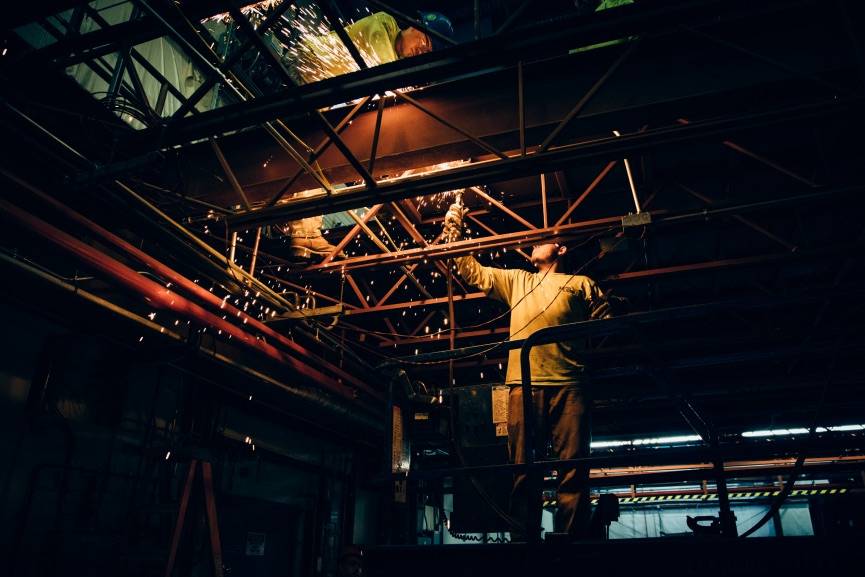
161	297
194	289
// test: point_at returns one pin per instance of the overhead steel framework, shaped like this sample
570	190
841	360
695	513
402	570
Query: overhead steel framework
550	140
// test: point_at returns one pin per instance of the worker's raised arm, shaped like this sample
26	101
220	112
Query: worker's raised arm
495	282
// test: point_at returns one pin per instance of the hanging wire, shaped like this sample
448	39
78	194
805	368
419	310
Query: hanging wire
497	344
502	315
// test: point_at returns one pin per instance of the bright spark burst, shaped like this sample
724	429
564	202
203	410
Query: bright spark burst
257	8
440	200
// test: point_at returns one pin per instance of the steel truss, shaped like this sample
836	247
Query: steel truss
531	146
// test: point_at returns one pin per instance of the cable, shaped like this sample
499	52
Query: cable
468	537
489	321
402	360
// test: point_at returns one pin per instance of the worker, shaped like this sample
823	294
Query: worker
560	396
377	37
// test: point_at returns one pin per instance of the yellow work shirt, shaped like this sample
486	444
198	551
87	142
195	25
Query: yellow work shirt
326	56
538	301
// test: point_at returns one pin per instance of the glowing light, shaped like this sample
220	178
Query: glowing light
672	440
802	431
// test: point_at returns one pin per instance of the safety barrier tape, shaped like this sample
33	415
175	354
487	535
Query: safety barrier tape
734	495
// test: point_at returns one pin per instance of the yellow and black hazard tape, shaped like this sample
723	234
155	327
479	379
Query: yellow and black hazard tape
734	495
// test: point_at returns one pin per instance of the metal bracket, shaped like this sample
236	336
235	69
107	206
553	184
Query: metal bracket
635	220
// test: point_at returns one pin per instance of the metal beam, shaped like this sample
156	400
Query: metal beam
417	303
493	232
746	221
761	159
569	231
493	202
229	173
469	175
319	150
480	142
578	107
494	52
340	246
413	22
592	185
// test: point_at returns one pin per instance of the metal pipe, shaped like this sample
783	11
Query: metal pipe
271	295
699	456
161	297
233	269
307	394
630	179
521	108
255	251
544	199
232	247
90	297
193	288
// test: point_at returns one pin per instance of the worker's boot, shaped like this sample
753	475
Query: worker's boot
307	243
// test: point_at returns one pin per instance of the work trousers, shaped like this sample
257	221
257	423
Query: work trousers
563	420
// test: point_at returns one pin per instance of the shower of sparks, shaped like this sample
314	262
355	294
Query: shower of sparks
320	53
307	43
441	200
254	9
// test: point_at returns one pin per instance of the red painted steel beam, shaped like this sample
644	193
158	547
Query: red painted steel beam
161	297
192	288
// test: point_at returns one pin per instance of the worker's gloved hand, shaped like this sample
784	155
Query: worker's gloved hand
610	306
453	224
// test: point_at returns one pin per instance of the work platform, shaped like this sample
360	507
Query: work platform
703	557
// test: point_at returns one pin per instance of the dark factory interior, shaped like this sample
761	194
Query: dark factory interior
347	287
